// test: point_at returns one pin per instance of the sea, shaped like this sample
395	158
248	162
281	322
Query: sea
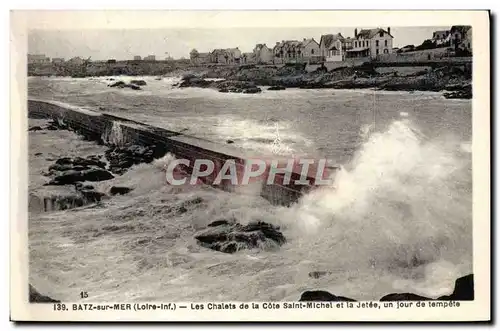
398	217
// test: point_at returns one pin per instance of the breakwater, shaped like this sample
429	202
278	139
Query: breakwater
113	130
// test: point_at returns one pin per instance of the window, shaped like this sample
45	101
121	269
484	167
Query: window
385	43
381	33
376	43
386	51
377	51
312	51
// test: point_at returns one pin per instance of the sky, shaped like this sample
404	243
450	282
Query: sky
124	44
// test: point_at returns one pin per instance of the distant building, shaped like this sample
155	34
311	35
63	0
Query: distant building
457	34
370	43
331	47
294	51
137	58
466	44
441	37
57	60
199	58
225	56
262	54
248	58
111	61
150	58
76	61
38	58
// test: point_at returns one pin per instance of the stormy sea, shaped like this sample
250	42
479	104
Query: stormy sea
397	219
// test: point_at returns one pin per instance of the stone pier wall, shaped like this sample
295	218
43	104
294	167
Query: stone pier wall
108	129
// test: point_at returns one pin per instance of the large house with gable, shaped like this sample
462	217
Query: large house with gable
370	43
332	47
294	51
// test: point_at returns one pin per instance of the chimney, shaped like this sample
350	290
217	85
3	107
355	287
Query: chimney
304	39
356	33
389	30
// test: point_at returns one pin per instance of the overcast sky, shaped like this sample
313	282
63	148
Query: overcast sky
124	44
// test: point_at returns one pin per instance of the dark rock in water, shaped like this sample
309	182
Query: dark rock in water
80	161
252	90
80	186
276	88
91	195
464	289
38	154
322	296
229	141
35	128
138	82
318	274
122	158
403	297
118	84
221	222
458	95
36	297
229	237
133	87
119	190
72	176
224	90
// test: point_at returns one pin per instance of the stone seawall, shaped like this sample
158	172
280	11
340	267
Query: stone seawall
113	130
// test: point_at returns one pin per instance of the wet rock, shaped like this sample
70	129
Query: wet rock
133	87
122	158
70	177
91	196
80	186
466	94
36	297
191	81
229	141
80	161
276	88
230	237
252	90
114	190
35	128
38	154
464	289
122	84
138	82
224	90
118	84
322	296
403	297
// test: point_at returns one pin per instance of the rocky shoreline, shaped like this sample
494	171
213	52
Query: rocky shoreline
452	81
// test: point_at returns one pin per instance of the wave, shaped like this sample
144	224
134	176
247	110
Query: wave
402	205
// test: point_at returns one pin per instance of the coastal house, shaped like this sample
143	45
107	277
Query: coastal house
331	47
150	58
294	51
441	37
199	58
38	58
76	61
326	42
137	58
225	56
370	43
248	58
457	34
262	54
57	60
466	44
